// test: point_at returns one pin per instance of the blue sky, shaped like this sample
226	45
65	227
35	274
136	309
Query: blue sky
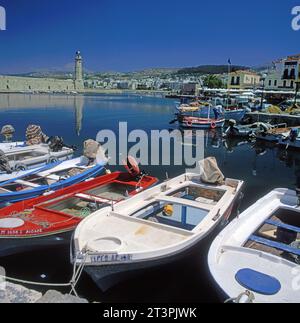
125	35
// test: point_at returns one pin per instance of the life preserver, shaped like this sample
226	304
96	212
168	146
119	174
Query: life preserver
213	125
131	166
189	123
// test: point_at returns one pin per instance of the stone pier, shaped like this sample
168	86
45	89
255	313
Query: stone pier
290	120
18	294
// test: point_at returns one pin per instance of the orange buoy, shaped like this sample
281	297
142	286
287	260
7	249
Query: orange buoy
213	125
189	122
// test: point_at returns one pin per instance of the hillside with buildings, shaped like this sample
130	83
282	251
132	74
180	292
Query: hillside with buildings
281	75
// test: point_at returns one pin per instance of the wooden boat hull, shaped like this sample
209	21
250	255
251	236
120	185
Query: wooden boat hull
13	246
289	144
234	114
39	223
106	277
200	123
22	157
32	193
237	115
259	252
109	267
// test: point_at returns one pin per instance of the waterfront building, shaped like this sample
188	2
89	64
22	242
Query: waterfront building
243	80
190	88
284	74
35	84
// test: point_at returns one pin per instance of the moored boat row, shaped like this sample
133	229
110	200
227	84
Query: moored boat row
123	224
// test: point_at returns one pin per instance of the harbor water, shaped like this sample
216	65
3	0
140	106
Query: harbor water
262	166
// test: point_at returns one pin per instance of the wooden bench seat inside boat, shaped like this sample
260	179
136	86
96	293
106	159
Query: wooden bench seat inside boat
276	245
276	237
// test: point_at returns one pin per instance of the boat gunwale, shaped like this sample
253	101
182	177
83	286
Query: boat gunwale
42	200
192	237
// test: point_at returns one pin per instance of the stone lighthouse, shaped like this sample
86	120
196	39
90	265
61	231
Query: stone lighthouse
78	72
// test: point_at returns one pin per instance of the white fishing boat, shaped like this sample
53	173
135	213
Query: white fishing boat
256	258
156	227
17	156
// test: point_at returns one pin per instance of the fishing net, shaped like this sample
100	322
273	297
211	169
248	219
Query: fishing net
35	136
274	109
7	130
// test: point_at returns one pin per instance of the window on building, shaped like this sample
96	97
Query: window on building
286	74
238	80
232	80
293	74
270	82
284	83
275	83
7	87
29	87
292	83
49	87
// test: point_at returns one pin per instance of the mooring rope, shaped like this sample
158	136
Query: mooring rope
249	298
77	272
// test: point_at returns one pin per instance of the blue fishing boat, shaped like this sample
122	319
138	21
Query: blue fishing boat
47	179
55	176
235	113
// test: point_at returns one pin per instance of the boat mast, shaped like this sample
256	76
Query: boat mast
228	86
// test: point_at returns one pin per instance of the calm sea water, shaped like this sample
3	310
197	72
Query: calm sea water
77	118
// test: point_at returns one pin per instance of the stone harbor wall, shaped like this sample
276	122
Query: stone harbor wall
290	120
30	84
13	84
18	294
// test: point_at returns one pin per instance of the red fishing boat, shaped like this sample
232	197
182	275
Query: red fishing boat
49	220
201	123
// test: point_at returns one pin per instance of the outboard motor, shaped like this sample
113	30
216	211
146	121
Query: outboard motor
132	167
4	163
56	143
8	132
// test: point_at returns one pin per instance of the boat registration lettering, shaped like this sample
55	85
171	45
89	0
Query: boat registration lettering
110	258
20	232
